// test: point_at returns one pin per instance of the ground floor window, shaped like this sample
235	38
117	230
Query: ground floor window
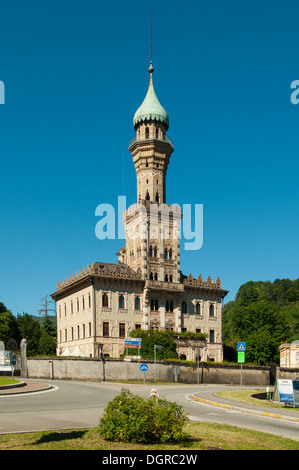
122	330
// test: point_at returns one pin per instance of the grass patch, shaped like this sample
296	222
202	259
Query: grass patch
244	396
202	436
7	381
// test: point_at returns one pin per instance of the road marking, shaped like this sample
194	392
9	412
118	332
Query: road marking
14	395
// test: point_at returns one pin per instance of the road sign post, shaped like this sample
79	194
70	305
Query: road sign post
144	368
133	343
241	356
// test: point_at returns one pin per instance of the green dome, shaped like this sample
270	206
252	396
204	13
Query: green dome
151	107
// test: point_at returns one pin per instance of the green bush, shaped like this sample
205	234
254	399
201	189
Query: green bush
131	418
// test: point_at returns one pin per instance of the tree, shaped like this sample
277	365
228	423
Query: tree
47	340
263	314
149	339
9	327
46	306
30	329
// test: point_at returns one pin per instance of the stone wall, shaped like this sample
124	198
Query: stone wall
118	370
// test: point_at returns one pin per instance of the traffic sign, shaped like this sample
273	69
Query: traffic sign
133	343
241	356
144	367
13	359
241	346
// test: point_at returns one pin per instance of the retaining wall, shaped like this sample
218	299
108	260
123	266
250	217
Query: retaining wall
118	370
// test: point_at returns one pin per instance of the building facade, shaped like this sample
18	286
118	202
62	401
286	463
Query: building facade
99	305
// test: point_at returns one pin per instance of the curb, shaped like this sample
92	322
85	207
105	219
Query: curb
244	410
8	386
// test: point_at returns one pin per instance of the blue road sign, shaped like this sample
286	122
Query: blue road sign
242	346
14	359
143	367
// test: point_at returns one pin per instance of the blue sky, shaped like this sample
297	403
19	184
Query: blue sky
75	72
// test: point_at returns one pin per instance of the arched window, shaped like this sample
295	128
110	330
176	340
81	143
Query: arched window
155	252
165	253
157	196
184	307
121	302
166	277
150	252
170	278
105	300
146	132
211	310
170	254
137	303
157	133
197	308
156	276
151	276
147	197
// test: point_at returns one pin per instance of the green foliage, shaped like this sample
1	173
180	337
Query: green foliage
149	339
47	341
40	333
8	327
166	339
264	314
30	329
131	418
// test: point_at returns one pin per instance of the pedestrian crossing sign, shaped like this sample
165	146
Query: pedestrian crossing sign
242	346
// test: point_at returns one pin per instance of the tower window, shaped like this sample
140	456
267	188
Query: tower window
197	308
150	252
137	303
105	300
121	302
155	252
157	196
122	330
146	132
105	328
147	197
157	133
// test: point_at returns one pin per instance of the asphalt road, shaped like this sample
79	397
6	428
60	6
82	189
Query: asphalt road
70	405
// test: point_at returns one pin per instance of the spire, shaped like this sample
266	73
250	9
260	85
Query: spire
151	108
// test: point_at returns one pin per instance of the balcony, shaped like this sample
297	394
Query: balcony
163	285
143	138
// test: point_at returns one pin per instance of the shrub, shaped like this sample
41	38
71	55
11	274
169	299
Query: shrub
131	418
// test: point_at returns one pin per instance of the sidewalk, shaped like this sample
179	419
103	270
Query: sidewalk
280	413
23	386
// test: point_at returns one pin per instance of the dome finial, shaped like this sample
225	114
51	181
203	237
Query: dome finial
151	68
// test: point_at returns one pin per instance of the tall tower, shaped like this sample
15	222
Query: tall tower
152	226
151	148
